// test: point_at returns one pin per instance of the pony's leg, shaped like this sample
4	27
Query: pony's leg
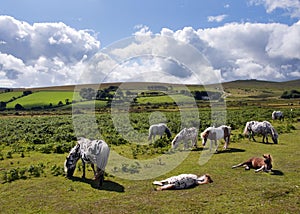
260	169
83	169
227	139
252	135
195	142
226	144
216	144
99	176
93	167
239	165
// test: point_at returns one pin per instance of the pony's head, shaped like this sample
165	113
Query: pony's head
177	139
175	142
274	135
71	160
268	162
168	132
204	135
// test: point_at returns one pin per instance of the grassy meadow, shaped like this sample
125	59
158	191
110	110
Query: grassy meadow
42	98
33	149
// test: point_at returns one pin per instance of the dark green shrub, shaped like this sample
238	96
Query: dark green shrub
57	170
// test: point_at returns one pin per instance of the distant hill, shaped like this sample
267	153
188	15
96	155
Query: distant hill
251	83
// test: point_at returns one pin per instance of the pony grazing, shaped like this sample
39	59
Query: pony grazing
185	135
215	134
259	164
264	128
91	152
277	115
158	129
182	181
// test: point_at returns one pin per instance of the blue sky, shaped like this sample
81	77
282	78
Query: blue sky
116	19
240	39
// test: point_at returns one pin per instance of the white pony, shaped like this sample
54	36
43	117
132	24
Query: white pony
277	115
264	128
91	152
215	134
158	129
185	135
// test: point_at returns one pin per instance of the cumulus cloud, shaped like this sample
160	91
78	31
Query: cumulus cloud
44	54
253	50
291	7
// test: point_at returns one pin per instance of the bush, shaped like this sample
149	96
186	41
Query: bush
57	170
160	143
290	94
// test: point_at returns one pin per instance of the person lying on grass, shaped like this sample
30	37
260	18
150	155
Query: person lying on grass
182	181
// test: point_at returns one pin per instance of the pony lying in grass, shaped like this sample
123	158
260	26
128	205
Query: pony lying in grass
277	115
185	135
264	128
158	129
259	164
182	181
215	134
91	152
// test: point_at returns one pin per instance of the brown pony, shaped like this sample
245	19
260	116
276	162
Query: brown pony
258	164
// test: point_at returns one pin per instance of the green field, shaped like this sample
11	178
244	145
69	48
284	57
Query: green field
43	98
4	97
33	149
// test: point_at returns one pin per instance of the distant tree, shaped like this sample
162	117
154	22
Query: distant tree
19	107
67	101
60	103
2	105
87	93
290	94
25	93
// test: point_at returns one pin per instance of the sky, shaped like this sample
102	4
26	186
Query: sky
62	42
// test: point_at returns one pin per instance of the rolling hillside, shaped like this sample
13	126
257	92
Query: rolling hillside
235	91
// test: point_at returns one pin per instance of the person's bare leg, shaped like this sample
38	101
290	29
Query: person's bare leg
165	187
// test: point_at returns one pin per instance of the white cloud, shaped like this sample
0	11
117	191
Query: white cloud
42	53
218	18
291	7
55	54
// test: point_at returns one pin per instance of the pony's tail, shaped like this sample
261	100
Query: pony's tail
104	154
246	131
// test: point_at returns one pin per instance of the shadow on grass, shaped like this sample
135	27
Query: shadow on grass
277	172
107	185
198	149
231	150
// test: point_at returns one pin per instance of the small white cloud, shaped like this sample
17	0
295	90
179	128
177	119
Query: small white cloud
142	30
216	18
291	7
